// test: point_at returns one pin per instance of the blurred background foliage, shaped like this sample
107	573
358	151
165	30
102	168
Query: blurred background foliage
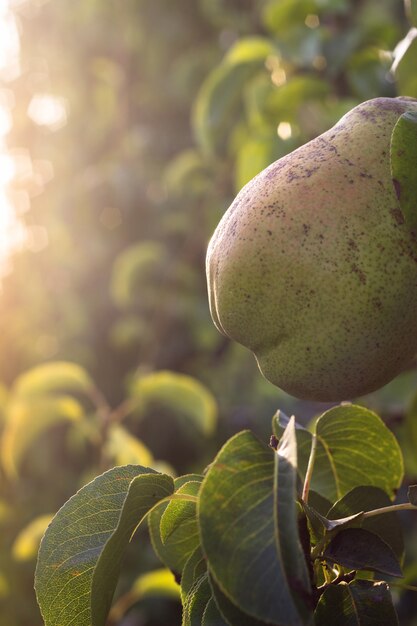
134	124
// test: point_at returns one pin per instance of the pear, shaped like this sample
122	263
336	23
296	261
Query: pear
314	268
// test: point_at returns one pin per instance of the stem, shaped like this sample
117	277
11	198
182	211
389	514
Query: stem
310	467
407	506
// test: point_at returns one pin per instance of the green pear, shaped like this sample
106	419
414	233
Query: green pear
314	268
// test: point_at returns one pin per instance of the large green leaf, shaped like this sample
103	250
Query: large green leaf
403	157
354	448
212	615
237	511
27	419
185	398
358	603
81	552
231	613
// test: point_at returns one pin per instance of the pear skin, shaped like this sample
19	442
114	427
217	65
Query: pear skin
313	267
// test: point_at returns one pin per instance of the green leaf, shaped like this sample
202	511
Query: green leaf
179	519
387	526
212	616
286	520
405	55
359	449
412	494
254	156
219	100
230	611
183	397
159	583
125	449
54	377
194	568
356	548
403	156
81	552
278	17
354	448
25	546
249	50
329	525
356	604
134	270
27	419
196	602
179	540
238	531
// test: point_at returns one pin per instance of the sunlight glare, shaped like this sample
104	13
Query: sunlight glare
48	110
12	231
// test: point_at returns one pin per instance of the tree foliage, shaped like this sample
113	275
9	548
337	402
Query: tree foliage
171	107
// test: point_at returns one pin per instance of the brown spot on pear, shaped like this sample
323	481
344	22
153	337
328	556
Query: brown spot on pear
327	320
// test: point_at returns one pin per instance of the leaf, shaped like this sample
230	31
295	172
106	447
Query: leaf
212	616
194	568
404	64
125	449
356	548
360	449
285	516
236	516
387	526
196	602
412	494
230	611
54	377
249	50
182	540
180	517
219	100
254	156
28	419
354	448
81	552
183	397
135	269
159	583
280	16
329	525
25	546
403	156
356	604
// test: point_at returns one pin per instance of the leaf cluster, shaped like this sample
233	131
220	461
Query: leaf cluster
260	538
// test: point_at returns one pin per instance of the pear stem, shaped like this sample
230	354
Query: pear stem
310	467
